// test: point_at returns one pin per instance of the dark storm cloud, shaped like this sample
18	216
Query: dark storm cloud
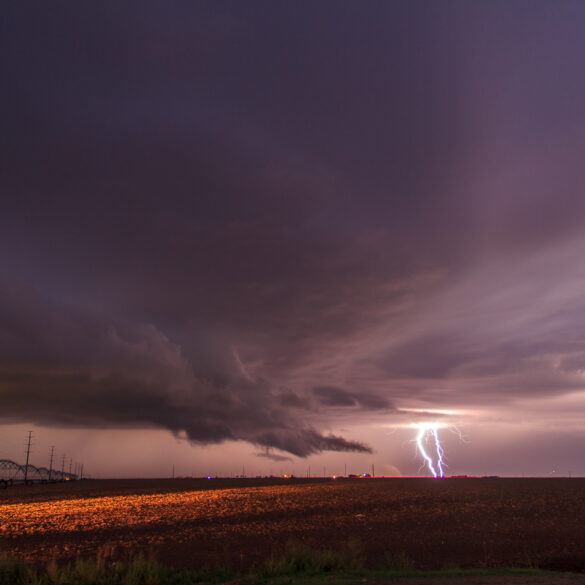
71	368
333	396
273	456
330	396
236	216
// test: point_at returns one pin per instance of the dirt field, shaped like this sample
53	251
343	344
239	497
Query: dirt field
194	523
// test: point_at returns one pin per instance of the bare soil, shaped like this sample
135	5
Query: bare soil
464	522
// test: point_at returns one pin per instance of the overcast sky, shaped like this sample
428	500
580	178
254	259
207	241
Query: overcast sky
278	234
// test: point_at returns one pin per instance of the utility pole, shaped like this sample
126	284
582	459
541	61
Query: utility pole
27	456
63	468
51	462
345	469
70	464
81	472
373	474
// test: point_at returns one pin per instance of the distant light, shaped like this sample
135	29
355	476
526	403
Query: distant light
209	477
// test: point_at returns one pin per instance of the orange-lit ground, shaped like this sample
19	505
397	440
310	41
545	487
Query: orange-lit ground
468	522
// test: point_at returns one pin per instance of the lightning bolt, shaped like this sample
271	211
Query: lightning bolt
428	431
439	452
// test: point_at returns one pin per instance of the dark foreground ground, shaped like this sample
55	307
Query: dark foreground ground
240	523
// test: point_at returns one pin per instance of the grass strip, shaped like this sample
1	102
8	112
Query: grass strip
298	565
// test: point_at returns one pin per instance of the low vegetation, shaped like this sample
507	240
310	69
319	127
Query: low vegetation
298	565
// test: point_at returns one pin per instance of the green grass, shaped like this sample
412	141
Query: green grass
298	565
301	559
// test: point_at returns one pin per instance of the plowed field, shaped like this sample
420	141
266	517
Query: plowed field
193	523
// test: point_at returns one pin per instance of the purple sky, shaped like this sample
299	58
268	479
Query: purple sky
279	234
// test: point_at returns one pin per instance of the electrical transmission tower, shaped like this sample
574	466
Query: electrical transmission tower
27	457
51	463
